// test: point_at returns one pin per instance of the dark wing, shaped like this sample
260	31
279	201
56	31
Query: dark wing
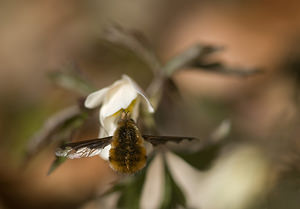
86	148
157	140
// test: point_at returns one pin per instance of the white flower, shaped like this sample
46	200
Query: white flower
123	94
153	189
236	179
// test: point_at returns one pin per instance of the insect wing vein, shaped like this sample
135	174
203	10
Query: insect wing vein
158	140
87	148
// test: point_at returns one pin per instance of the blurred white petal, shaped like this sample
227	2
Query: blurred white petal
154	184
222	130
186	177
106	202
149	147
95	99
237	179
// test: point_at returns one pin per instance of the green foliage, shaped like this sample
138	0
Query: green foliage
71	80
131	192
202	159
57	162
173	196
71	124
64	132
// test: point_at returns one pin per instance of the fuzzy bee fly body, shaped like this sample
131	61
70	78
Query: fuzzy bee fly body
127	154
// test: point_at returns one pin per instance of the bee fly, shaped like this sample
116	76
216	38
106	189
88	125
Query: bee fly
127	154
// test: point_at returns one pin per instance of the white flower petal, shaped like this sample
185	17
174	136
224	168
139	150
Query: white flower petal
135	110
186	177
104	154
117	98
102	133
153	189
95	99
237	180
145	100
222	130
105	202
109	125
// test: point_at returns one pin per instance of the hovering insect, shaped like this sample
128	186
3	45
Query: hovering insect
127	154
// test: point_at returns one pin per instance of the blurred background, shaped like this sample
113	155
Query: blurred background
38	37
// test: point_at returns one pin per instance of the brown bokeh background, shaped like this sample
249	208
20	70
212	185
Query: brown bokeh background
38	37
